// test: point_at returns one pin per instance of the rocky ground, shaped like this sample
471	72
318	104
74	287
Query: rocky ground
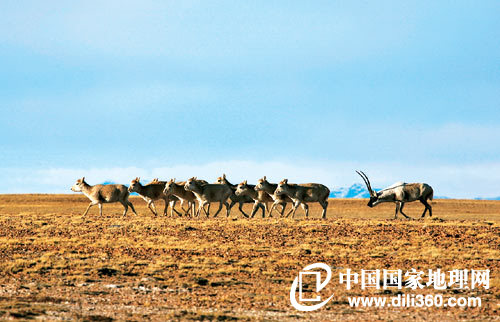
56	265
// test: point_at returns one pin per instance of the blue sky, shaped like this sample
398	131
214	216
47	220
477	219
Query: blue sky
404	90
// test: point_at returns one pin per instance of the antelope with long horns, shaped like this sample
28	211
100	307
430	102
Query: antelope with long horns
400	193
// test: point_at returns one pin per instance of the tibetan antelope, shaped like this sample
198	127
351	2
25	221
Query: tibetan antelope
240	199
270	188
177	189
103	193
151	192
261	198
399	193
206	193
303	193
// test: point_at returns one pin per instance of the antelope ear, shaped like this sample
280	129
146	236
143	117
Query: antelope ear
224	176
83	179
286	180
265	178
245	182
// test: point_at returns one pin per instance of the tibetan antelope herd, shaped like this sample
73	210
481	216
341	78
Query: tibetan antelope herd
260	195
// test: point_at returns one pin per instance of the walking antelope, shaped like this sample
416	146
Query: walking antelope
151	192
400	193
173	188
206	193
240	199
270	188
303	193
261	198
101	193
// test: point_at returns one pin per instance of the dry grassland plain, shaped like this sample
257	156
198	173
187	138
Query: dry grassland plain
55	264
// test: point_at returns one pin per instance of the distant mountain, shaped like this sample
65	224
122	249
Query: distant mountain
357	190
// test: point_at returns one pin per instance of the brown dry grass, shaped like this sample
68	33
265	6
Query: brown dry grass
56	265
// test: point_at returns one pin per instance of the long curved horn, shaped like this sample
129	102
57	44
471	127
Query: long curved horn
367	182
370	185
362	177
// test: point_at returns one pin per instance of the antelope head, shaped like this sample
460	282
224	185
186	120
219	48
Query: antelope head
134	184
191	184
77	187
260	184
282	187
222	180
241	188
169	186
373	194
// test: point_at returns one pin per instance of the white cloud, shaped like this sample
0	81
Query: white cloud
468	181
